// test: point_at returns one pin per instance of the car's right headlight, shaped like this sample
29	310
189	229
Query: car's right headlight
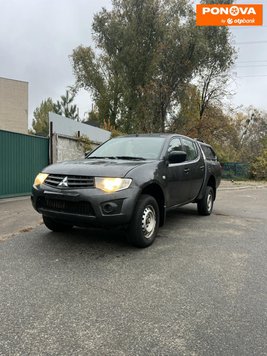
110	185
40	178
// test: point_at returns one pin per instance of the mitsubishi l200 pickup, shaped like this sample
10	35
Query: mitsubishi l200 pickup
129	181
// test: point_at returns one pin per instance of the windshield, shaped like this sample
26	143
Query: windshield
130	148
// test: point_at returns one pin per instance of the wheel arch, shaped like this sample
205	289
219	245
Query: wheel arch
212	183
157	193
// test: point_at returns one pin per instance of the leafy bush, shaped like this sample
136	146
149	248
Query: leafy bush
109	127
85	141
259	167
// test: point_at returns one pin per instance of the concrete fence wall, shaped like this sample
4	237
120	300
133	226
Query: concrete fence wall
67	148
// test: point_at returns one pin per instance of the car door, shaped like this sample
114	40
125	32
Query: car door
194	168
176	177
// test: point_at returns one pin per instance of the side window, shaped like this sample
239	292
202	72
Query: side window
175	145
190	148
209	153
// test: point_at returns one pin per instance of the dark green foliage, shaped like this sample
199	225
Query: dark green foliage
41	119
259	167
40	122
65	106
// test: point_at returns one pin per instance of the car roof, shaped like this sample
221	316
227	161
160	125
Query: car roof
164	135
203	143
146	135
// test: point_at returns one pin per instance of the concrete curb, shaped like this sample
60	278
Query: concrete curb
7	200
246	187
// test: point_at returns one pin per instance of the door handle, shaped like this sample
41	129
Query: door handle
202	167
186	170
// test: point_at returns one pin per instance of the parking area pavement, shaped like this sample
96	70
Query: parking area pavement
200	289
17	215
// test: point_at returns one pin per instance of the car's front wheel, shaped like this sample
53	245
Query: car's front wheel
144	226
55	225
205	205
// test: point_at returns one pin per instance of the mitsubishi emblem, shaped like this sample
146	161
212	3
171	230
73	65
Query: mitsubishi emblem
63	183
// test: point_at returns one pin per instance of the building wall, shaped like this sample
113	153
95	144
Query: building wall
13	105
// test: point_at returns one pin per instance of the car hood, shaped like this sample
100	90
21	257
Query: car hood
95	167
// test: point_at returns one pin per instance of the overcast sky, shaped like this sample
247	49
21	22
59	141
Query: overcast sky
37	37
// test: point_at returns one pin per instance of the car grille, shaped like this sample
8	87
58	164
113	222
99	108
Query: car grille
66	206
73	182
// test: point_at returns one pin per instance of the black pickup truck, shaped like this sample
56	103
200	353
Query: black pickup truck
129	181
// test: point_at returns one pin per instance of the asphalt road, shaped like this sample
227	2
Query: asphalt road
201	289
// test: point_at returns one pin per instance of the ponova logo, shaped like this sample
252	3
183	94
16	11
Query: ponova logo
229	15
233	11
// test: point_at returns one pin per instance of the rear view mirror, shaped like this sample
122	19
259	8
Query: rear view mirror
177	156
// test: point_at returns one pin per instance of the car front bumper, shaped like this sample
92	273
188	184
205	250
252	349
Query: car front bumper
85	207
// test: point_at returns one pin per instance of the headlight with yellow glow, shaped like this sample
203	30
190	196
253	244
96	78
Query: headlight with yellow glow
40	178
110	185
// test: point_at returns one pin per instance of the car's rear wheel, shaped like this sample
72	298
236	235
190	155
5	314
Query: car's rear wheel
205	205
144	226
55	225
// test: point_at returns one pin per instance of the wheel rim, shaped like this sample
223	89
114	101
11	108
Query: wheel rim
209	202
148	221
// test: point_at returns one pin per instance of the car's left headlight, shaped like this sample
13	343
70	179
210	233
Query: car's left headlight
40	178
110	185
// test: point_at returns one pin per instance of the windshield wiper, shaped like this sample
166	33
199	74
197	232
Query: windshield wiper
131	158
118	157
104	157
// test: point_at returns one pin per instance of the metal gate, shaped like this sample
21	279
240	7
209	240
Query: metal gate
21	158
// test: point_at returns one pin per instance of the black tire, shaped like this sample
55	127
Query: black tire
55	225
205	205
144	226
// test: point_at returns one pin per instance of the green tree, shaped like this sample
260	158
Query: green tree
40	123
146	50
251	125
259	166
213	75
65	106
